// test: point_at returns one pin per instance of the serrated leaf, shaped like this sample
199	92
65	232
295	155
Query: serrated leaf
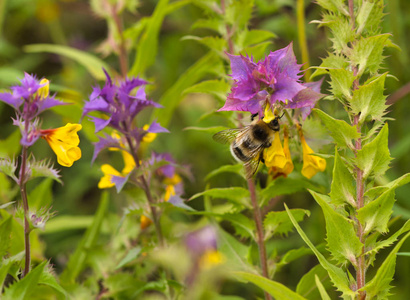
43	168
341	30
375	192
379	286
93	64
5	231
367	53
257	51
336	6
278	222
252	37
233	250
236	169
76	262
336	274
66	222
343	189
293	254
21	289
387	242
239	12
131	255
376	214
341	82
363	15
47	278
147	46
218	88
341	132
368	100
275	289
8	167
237	195
208	64
213	24
342	241
285	186
41	196
374	158
332	61
306	285
214	43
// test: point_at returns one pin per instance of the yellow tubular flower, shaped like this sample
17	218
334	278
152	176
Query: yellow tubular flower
210	259
275	171
274	155
64	142
44	90
149	137
311	164
129	162
109	172
145	222
169	192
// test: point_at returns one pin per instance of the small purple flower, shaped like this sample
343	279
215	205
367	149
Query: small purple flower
167	170
118	102
274	79
201	241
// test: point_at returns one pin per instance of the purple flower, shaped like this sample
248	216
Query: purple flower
201	241
118	102
167	170
276	78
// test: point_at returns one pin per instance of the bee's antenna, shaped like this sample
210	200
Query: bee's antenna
282	115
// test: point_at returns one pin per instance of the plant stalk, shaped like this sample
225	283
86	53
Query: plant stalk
23	191
257	215
300	13
122	49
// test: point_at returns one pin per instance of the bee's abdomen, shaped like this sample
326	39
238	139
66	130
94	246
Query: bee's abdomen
240	152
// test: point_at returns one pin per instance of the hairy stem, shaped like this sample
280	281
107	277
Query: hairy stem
228	30
300	13
257	215
23	191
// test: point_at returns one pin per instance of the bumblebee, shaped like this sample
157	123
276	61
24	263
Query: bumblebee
248	143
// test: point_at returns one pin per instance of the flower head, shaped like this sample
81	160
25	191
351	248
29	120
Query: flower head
107	181
274	79
64	142
311	164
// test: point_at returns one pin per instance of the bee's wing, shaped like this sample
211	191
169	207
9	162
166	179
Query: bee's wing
229	135
252	166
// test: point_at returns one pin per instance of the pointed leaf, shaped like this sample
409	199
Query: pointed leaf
341	82
47	278
5	231
336	274
20	290
278	222
379	286
322	290
375	192
234	251
293	254
376	214
8	167
237	195
336	6
236	169
41	196
368	100
44	168
218	88
275	289
306	285
332	61
341	132
342	190
374	158
342	241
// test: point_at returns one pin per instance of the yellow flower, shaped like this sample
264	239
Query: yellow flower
44	90
64	142
145	222
311	164
169	192
281	162
210	259
149	137
106	181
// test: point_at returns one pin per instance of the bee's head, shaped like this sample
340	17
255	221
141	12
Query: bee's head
274	124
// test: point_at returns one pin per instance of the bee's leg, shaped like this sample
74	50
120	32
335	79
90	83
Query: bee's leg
253	116
261	157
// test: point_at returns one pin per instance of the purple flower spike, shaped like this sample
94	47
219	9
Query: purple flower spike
156	128
273	79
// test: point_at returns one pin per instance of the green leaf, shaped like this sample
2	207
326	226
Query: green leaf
363	15
322	290
8	167
278	222
342	241
374	158
236	169
208	64
341	132
218	88
21	289
43	168
387	242
77	260
11	145
147	46
306	285
336	274
341	82
214	43
212	24
252	37
367	53
93	64
239	12
343	189
332	61
237	195
341	30
66	222
47	278
5	231
379	286
336	6
368	100
274	288
233	250
293	254
41	196
285	186
376	214
131	255
375	192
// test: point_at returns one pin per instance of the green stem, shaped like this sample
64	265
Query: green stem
300	13
23	191
122	55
